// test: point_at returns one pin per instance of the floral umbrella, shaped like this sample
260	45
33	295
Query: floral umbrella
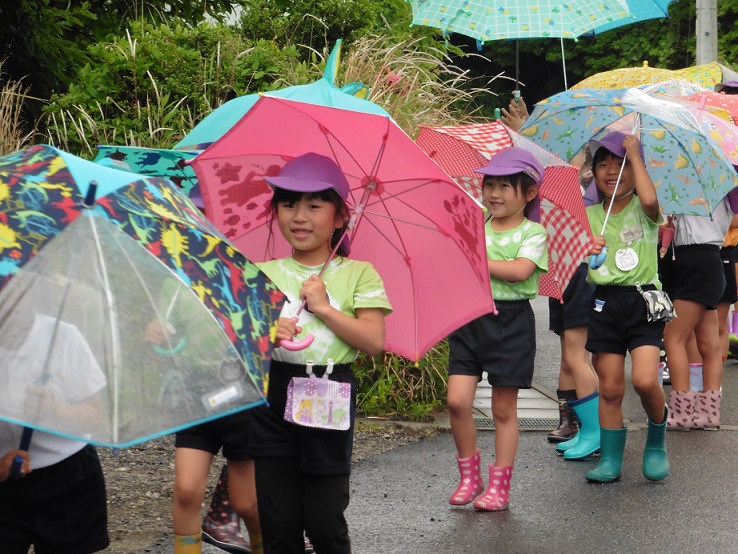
90	258
690	171
706	75
463	149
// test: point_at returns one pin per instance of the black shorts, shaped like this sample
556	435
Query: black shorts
694	272
574	312
618	321
59	509
503	345
320	451
727	256
230	433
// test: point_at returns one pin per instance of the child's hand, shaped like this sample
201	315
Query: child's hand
599	244
156	332
286	329
315	294
515	115
632	147
6	462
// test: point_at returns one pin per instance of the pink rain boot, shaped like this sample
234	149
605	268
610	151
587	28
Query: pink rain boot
497	496
471	484
734	323
681	410
707	410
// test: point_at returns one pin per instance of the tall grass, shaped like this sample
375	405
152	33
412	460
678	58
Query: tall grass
12	98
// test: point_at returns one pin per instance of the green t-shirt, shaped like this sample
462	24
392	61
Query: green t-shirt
527	240
630	229
351	284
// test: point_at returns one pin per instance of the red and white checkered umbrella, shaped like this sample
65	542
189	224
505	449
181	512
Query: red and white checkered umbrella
462	149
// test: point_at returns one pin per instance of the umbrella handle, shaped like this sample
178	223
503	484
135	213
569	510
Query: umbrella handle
293	345
599	259
25	444
171	351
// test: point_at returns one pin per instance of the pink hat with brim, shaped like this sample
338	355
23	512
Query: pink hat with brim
311	172
511	161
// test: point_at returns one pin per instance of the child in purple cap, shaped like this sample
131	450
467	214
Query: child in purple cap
302	473
618	322
501	344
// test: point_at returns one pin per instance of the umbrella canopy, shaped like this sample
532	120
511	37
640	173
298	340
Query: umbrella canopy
522	19
690	172
727	102
322	92
463	149
706	75
638	10
422	233
154	162
90	259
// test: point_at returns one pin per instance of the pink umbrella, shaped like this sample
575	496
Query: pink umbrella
460	150
422	233
727	102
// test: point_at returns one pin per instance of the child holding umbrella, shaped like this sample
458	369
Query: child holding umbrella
619	321
501	344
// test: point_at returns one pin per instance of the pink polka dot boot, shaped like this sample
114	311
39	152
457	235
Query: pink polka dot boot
497	496
471	484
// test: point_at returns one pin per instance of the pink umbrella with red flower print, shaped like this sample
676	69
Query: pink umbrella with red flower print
423	234
462	149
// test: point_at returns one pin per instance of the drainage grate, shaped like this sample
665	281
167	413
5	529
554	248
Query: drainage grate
527	424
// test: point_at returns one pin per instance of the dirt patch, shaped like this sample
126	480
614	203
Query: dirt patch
139	481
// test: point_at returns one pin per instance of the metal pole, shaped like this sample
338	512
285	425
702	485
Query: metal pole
706	29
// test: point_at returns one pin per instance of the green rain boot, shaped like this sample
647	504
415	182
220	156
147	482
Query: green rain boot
655	458
589	428
612	448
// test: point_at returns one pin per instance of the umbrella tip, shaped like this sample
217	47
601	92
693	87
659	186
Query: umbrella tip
89	200
645	63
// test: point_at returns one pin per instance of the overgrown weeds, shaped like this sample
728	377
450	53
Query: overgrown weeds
12	98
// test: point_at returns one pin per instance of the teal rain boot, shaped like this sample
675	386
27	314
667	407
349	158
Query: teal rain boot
655	458
589	428
612	449
564	446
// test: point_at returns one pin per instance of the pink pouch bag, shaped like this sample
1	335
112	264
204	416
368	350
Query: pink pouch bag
318	402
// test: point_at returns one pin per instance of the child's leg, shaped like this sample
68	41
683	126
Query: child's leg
242	492
578	360
676	336
279	486
708	343
326	498
645	360
611	372
191	468
505	414
461	391
723	310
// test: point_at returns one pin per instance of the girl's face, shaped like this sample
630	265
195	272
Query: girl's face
503	198
308	225
606	173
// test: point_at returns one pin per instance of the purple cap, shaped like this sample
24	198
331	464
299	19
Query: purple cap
727	84
511	161
612	143
311	172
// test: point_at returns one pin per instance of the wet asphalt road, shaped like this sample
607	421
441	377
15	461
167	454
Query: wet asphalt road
399	500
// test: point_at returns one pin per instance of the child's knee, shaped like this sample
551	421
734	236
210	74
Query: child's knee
457	408
611	393
245	507
187	495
